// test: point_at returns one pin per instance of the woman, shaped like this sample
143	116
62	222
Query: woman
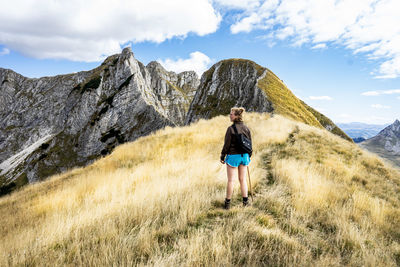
235	158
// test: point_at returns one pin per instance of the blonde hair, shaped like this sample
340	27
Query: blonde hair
238	113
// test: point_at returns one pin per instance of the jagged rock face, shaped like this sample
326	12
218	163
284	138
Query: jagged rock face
54	123
173	91
239	82
50	124
386	143
227	84
388	138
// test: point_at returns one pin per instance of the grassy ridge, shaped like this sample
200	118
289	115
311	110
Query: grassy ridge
284	101
157	201
287	104
327	123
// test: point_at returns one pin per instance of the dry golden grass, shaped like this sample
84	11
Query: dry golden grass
319	200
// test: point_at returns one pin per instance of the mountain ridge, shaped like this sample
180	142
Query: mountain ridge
85	115
254	87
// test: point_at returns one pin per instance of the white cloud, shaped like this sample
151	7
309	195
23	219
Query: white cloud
255	18
382	92
319	46
4	51
390	69
246	24
92	29
238	4
379	106
284	33
198	62
369	26
324	97
371	93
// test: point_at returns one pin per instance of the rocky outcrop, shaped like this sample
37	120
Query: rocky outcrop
386	143
391	137
173	91
239	82
54	123
388	139
50	124
226	84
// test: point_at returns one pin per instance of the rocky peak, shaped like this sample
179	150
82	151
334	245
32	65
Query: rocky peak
155	66
173	91
50	124
388	140
127	52
189	82
226	84
391	131
186	80
240	82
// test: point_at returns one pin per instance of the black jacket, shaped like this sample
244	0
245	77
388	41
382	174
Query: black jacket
230	144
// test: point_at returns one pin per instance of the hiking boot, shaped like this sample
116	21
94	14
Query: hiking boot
246	203
227	204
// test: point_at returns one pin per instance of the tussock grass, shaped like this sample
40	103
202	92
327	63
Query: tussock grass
319	200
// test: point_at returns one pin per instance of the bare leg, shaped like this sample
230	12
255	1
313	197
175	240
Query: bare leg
229	189
242	179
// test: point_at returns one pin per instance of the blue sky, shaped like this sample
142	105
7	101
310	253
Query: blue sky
340	57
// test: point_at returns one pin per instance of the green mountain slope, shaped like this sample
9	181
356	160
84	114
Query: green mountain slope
319	200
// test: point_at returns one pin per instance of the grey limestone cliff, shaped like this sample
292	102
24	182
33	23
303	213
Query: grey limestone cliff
387	139
54	123
241	82
50	124
226	84
386	143
173	91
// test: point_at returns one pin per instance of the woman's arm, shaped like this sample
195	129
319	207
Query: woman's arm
249	138
227	143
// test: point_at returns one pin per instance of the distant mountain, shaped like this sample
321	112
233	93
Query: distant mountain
359	139
386	143
358	129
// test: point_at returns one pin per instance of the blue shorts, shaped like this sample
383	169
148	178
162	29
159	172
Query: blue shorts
237	159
